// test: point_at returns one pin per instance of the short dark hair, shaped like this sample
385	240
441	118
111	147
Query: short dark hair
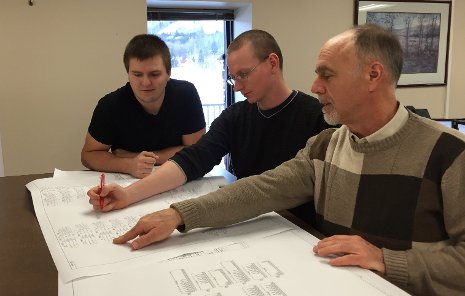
263	44
375	42
146	46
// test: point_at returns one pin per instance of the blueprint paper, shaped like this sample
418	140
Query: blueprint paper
281	264
92	175
80	239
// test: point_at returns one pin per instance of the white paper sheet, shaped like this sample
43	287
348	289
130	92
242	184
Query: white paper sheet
80	239
276	260
92	175
266	266
109	177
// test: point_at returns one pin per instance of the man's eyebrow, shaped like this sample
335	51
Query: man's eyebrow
323	68
154	71
242	71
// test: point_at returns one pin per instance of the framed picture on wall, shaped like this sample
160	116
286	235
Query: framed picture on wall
423	31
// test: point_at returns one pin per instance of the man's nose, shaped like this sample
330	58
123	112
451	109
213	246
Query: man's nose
145	80
316	87
238	85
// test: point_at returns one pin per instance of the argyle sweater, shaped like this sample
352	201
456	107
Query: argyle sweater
405	194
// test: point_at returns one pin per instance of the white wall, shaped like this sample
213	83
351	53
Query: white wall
301	27
58	58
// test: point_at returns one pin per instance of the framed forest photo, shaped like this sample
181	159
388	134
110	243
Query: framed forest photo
423	31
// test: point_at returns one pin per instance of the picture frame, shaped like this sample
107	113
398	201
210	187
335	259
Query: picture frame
423	28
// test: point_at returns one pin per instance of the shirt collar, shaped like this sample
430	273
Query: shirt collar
393	126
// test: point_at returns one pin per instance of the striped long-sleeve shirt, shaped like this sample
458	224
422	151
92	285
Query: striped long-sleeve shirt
404	193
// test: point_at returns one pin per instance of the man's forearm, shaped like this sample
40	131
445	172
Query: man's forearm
163	155
164	178
105	161
167	153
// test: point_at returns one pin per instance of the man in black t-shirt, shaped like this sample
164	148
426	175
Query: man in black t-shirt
146	121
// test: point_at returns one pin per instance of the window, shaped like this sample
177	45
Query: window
461	126
198	40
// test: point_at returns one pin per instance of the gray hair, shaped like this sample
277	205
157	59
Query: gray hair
374	42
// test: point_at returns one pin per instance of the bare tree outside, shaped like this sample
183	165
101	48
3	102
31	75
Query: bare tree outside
418	34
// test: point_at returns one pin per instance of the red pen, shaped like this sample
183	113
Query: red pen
102	183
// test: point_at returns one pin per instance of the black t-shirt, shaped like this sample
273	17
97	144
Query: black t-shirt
256	143
120	121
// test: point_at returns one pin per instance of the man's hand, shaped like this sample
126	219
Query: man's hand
152	228
351	250
114	196
141	165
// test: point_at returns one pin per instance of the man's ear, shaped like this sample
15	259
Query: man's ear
274	61
375	74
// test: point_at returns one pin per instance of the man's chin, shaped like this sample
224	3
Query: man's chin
331	118
147	98
251	100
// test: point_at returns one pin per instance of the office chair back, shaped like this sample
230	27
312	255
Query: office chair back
421	112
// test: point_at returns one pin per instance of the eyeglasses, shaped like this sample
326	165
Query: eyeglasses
243	75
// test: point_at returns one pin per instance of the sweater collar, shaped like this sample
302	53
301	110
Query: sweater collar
392	127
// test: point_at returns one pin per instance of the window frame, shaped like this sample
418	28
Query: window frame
195	14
